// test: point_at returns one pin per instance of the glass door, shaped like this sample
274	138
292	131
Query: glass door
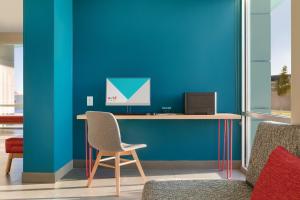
267	73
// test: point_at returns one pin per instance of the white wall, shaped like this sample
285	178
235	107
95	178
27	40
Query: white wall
11	15
11	38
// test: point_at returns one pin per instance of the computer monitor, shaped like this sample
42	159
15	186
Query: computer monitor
128	92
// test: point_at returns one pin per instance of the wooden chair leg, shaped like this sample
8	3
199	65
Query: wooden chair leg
94	169
138	164
8	164
117	173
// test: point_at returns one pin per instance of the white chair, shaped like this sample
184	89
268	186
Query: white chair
104	135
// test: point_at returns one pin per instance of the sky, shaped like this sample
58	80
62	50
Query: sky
18	64
281	37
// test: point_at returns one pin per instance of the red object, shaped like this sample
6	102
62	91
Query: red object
219	138
280	178
14	145
11	119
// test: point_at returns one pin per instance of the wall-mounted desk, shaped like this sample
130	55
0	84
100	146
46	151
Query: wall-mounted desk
223	116
228	132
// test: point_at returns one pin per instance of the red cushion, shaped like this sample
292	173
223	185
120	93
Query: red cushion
15	149
14	141
14	145
280	178
11	119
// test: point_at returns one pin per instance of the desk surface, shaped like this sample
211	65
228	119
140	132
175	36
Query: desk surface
173	117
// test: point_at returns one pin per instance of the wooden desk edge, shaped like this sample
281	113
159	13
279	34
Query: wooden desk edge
221	116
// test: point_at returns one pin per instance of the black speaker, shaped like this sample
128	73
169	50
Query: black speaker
200	103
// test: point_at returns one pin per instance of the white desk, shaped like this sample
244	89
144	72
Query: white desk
227	139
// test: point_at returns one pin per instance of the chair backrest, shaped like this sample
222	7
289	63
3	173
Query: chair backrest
268	136
103	132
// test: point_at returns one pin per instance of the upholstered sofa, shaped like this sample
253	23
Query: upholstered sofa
269	135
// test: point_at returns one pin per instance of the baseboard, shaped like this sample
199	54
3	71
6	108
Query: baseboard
244	170
29	177
63	170
181	164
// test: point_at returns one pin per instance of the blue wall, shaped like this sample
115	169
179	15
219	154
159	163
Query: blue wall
182	45
63	82
38	86
48	83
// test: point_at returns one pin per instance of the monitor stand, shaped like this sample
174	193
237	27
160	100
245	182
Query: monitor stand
128	110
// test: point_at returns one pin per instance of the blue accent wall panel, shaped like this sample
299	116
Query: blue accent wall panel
38	86
63	82
48	97
181	45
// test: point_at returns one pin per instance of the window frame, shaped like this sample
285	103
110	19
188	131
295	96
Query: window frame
247	114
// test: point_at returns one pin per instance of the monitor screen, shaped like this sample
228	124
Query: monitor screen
128	91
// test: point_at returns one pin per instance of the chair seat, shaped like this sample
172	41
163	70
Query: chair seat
128	147
14	145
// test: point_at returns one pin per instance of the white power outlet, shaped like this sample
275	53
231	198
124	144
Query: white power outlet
89	101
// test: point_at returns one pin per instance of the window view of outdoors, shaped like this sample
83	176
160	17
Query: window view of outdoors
268	81
270	57
11	79
281	57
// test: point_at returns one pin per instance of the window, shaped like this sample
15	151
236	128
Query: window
267	70
11	79
281	58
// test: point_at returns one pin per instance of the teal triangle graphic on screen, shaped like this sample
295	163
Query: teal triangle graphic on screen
128	86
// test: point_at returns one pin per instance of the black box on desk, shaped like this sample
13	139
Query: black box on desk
200	103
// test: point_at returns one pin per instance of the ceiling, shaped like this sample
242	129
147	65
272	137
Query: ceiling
11	15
